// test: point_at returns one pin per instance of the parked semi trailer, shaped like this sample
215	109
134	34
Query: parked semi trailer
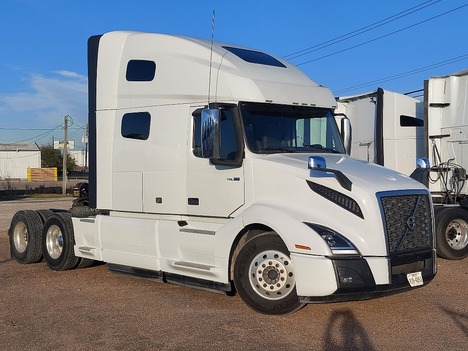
223	168
400	132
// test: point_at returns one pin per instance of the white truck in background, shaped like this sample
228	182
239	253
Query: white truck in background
222	167
387	128
401	132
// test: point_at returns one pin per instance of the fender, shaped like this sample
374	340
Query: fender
289	225
285	222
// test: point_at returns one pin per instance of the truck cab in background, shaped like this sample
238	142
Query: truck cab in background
401	132
387	128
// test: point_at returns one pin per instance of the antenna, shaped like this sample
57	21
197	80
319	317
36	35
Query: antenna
211	53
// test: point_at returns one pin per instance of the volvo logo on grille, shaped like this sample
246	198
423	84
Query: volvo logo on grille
411	222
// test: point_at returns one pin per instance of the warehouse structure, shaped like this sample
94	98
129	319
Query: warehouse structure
16	158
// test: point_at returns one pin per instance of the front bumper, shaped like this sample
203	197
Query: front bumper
355	280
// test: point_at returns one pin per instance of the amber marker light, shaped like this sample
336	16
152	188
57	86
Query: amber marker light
302	247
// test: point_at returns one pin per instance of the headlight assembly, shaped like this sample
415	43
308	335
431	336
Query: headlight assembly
338	244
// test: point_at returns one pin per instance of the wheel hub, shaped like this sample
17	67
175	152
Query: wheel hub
20	237
272	275
54	241
457	234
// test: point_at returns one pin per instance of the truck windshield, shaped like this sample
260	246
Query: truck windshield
279	128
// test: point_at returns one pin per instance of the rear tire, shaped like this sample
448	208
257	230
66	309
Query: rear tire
58	242
44	214
452	233
264	275
25	237
84	263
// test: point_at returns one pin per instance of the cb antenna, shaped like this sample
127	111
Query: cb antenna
211	52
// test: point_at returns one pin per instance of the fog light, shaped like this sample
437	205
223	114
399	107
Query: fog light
349	278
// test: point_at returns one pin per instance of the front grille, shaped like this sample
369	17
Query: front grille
408	222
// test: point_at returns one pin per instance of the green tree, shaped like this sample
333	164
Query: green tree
51	157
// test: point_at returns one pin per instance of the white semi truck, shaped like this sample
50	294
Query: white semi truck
401	132
223	168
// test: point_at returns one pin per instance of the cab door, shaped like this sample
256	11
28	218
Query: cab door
216	187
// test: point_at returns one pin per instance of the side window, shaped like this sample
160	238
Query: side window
229	149
136	125
140	71
407	121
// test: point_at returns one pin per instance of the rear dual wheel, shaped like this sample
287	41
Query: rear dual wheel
58	243
25	237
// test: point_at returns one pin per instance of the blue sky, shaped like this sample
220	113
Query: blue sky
390	44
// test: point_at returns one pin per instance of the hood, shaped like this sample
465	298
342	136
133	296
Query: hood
363	175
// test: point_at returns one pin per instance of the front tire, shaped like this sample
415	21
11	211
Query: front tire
58	242
264	275
452	233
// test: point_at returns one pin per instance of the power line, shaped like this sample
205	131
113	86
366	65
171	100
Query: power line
360	31
383	36
49	131
24	128
405	74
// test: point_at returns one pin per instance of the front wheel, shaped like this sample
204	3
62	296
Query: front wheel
264	275
452	233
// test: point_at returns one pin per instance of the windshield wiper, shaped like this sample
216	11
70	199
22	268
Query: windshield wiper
321	148
272	150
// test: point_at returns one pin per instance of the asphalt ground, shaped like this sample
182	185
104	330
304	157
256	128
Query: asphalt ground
94	309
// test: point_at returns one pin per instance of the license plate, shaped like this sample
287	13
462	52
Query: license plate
415	279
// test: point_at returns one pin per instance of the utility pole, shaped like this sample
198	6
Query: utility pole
86	147
64	164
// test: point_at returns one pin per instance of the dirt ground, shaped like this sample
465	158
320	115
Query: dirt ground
93	309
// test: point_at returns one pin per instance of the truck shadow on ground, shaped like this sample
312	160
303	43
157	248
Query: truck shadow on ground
345	333
460	319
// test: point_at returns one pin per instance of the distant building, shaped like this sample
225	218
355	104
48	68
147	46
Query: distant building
16	158
80	157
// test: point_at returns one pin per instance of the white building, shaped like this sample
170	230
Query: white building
80	157
16	158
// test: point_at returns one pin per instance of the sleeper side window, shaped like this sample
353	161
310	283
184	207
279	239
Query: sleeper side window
136	125
140	71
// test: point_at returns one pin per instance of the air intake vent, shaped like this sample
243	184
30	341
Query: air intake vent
337	198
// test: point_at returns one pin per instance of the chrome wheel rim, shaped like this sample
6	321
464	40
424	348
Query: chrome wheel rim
20	237
272	275
457	234
54	241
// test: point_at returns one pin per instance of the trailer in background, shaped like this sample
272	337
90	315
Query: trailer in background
387	128
401	132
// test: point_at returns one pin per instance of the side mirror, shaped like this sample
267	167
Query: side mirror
346	134
423	162
317	162
210	133
421	173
